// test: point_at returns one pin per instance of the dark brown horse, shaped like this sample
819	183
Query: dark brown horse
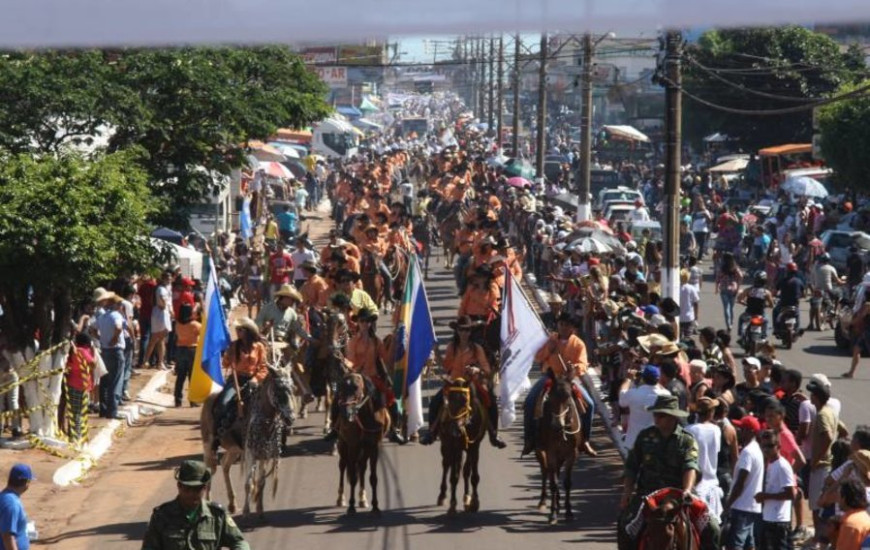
560	439
667	526
462	427
372	278
361	429
397	263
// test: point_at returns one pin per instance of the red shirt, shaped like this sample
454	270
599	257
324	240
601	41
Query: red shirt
146	299
184	297
280	268
75	371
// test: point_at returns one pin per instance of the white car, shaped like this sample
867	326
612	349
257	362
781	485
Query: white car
624	194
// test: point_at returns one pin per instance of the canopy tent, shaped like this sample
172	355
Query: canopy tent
366	124
627	133
366	106
349	111
265	152
287	150
190	261
733	165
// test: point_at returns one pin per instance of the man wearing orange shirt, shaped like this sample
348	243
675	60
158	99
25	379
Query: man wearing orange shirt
315	291
563	355
481	298
376	205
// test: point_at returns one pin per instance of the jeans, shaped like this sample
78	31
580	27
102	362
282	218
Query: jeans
388	279
128	365
144	338
183	370
745	531
460	272
111	383
532	398
728	299
701	241
777	536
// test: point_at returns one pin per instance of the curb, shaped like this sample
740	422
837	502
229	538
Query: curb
591	382
149	402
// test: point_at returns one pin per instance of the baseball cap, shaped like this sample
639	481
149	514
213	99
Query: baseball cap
21	472
651	371
748	423
752	362
821	380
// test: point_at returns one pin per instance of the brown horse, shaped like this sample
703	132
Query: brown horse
256	434
462	427
362	426
449	218
560	438
372	279
667	527
397	262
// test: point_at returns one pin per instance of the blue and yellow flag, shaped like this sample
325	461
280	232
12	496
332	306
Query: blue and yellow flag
214	338
415	338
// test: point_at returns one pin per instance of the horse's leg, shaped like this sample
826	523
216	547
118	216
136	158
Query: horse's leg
373	480
445	466
363	463
466	481
569	466
553	475
542	502
474	458
261	487
226	464
351	480
455	465
327	401
342	464
249	468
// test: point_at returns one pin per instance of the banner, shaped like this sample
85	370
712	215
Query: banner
214	337
522	335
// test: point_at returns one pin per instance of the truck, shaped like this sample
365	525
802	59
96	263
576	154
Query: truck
335	138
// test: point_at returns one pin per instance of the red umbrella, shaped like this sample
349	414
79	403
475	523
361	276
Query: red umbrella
517	181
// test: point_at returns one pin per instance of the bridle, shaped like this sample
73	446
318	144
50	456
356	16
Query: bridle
355	403
463	416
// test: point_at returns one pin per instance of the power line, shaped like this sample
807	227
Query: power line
743	88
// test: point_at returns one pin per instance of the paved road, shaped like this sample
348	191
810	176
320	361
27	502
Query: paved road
138	476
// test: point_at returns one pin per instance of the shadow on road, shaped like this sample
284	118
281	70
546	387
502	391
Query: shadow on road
127	531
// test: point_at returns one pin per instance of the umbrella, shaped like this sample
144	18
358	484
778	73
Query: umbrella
592	224
262	151
496	161
518	182
591	245
287	150
805	186
520	168
628	133
733	165
597	234
277	170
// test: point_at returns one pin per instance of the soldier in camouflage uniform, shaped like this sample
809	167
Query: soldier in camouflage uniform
190	522
664	455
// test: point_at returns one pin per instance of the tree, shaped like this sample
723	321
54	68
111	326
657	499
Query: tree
845	134
790	62
66	224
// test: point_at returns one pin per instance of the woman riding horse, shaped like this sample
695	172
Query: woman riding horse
366	355
246	359
461	353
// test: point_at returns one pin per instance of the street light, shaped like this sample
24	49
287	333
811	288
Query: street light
583	207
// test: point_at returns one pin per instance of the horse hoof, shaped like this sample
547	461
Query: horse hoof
441	501
451	511
341	503
376	512
569	516
552	520
351	511
475	505
363	503
542	507
466	501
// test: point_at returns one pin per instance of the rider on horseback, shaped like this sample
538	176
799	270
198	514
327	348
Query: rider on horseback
246	359
463	355
564	354
375	245
365	355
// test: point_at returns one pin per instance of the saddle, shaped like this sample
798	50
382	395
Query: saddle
579	403
696	512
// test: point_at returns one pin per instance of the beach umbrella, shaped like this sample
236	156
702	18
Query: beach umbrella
591	245
277	170
517	181
805	186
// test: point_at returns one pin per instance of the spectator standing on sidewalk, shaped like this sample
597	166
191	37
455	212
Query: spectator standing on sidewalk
745	511
779	492
856	522
188	335
111	328
823	433
13	518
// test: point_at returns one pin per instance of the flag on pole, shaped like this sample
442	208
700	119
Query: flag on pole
214	338
245	219
522	335
415	338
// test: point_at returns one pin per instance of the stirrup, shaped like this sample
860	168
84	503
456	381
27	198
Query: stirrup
397	437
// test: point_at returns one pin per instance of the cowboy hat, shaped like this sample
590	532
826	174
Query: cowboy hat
340	299
309	265
488	240
98	294
483	271
248	324
289	291
464	321
651	341
667	404
555	299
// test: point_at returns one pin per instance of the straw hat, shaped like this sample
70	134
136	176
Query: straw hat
464	321
289	291
248	324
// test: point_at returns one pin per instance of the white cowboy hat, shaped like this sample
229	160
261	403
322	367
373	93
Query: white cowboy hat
248	324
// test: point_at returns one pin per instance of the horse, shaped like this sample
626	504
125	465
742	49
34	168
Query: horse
449	216
327	364
260	427
462	427
372	279
559	439
397	263
667	524
361	429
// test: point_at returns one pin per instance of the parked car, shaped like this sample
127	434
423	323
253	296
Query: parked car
621	193
618	212
837	243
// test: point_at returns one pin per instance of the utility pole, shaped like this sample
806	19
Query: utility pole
500	91
481	63
673	144
491	87
518	44
542	109
585	175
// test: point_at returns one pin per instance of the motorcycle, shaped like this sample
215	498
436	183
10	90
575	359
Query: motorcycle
754	334
785	326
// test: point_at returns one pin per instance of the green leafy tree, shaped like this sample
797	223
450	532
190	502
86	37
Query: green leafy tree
66	224
726	66
845	132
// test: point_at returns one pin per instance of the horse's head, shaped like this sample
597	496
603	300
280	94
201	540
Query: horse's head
559	403
457	401
351	395
279	385
667	525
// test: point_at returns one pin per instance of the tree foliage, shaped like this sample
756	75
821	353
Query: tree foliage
789	62
190	110
66	224
845	134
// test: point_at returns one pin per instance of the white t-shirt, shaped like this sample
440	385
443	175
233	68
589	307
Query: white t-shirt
709	438
300	258
407	189
779	476
636	400
689	296
752	461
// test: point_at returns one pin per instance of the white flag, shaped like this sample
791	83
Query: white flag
522	335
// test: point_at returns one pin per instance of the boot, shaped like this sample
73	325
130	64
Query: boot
332	435
528	439
434	413
395	435
431	435
494	439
